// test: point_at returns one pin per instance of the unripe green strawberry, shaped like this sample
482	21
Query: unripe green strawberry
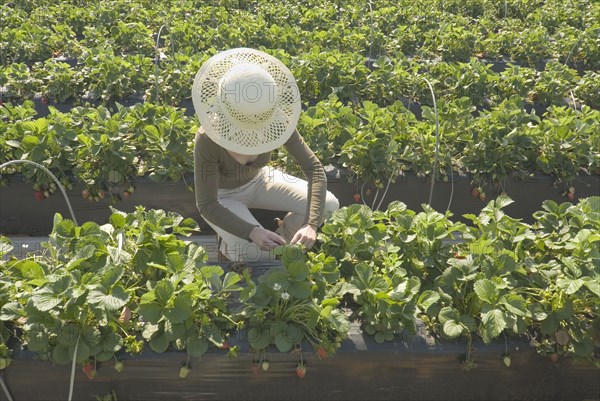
184	371
506	360
119	365
5	362
265	365
125	315
562	337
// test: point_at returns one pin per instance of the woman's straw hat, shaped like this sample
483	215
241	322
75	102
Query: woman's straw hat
247	101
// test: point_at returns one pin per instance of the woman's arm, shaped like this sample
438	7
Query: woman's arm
317	189
206	181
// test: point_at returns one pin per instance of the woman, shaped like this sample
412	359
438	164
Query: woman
248	105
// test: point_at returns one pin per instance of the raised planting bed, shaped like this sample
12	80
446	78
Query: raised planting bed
404	369
390	306
20	213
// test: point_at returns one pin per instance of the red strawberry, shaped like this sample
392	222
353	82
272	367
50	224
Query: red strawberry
38	195
475	192
482	196
85	193
126	194
322	352
255	367
368	192
554	357
45	100
571	195
89	370
301	370
224	345
356	196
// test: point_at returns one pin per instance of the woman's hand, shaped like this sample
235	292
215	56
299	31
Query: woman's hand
306	235
265	239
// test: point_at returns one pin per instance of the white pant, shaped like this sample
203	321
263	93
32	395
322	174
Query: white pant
271	189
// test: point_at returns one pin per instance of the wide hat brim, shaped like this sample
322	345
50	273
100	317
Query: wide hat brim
254	134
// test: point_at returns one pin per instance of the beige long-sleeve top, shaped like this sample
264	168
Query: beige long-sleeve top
214	168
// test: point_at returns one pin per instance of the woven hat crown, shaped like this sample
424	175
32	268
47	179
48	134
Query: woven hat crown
249	94
247	101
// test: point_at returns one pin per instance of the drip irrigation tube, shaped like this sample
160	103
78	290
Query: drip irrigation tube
437	141
60	186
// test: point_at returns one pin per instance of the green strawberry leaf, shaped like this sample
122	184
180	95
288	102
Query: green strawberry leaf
486	291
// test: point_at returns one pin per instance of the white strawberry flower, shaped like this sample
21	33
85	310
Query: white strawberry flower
276	286
285	295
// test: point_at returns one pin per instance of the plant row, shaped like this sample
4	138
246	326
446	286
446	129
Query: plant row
97	293
527	32
101	76
501	278
107	152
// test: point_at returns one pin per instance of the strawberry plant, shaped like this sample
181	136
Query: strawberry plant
453	41
377	148
588	89
385	296
39	142
77	295
18	83
164	141
320	73
514	81
503	145
564	276
7	293
472	79
527	44
131	37
479	290
324	126
58	82
563	142
288	306
107	77
422	240
105	154
554	84
174	78
351	235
